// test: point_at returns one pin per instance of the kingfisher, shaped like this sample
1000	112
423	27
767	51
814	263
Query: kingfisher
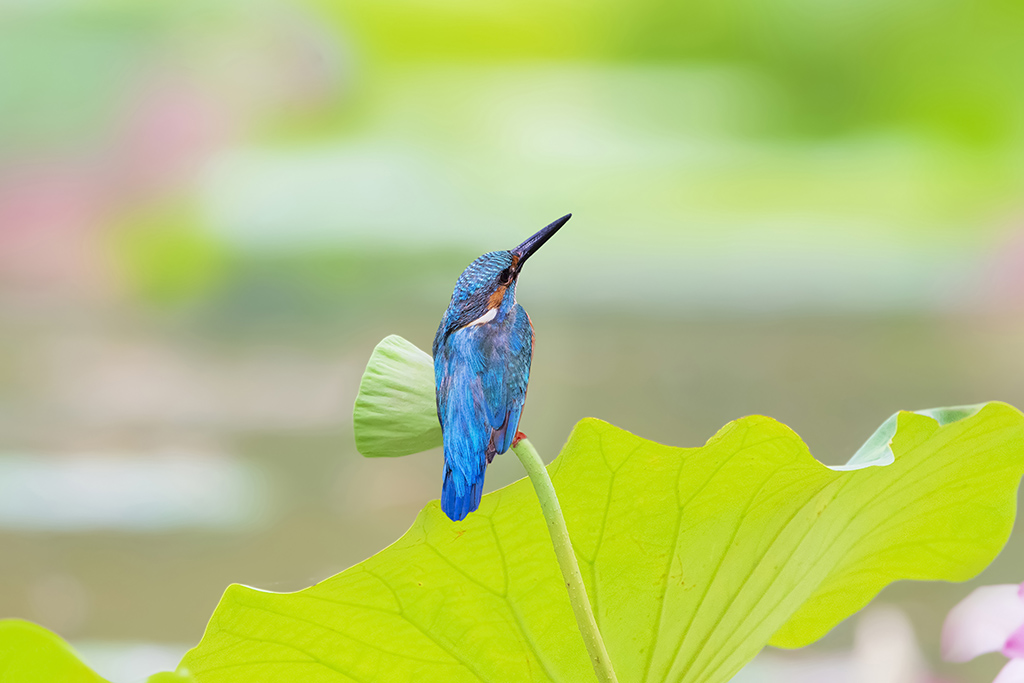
482	354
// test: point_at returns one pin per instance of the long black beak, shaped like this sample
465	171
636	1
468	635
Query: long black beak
526	249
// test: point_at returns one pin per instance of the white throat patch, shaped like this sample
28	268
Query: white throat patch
485	318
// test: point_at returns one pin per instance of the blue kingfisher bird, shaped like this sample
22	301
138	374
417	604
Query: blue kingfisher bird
482	354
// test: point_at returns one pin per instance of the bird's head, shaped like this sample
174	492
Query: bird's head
487	287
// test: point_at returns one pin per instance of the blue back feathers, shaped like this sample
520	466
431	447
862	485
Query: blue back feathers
482	370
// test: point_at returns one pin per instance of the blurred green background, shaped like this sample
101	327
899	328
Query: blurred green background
210	212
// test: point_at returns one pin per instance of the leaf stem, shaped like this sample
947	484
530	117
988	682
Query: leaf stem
538	474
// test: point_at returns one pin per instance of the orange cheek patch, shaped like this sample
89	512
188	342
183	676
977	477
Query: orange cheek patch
495	299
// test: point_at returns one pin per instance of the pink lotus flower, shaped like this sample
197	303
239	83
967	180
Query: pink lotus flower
990	619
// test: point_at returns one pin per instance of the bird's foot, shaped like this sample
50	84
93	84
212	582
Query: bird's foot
518	437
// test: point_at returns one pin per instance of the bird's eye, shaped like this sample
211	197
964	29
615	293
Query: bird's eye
505	275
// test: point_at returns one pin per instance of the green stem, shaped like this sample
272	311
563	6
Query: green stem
566	560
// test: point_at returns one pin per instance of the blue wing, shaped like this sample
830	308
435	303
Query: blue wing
507	388
482	373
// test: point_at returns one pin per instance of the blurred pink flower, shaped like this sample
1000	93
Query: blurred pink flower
1001	272
185	101
991	619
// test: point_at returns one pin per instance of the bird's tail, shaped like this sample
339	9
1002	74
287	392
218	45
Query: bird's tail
461	491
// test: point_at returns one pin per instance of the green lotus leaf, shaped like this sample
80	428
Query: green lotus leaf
694	559
877	450
31	654
395	412
170	677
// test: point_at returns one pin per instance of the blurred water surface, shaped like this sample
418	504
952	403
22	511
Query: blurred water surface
211	212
